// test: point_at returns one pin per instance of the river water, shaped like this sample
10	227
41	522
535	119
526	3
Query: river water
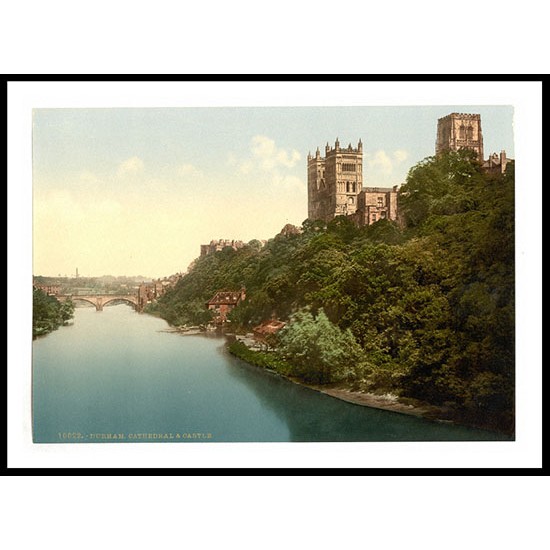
117	376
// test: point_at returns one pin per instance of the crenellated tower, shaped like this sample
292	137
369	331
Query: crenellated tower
334	181
460	131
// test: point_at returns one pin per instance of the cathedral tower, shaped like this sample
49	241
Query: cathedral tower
460	131
334	181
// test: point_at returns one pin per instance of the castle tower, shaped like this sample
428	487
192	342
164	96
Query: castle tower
334	181
460	131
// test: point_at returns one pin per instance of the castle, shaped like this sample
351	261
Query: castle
220	244
335	181
335	188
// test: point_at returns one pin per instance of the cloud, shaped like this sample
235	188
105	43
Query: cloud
270	156
88	178
246	167
384	163
264	156
400	155
133	165
271	165
380	162
188	171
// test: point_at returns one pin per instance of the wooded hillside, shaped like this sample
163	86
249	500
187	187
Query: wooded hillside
428	304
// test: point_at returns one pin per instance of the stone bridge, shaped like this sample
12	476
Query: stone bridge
100	300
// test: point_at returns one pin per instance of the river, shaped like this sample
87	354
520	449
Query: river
118	376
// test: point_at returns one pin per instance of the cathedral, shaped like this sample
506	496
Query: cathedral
335	188
335	181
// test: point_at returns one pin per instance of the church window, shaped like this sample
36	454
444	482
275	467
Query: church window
470	132
347	186
350	200
462	132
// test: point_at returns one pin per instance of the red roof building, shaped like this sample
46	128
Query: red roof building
266	329
223	302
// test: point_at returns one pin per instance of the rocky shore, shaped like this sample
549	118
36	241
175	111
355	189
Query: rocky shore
187	331
388	402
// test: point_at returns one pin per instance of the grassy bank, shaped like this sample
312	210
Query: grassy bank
264	359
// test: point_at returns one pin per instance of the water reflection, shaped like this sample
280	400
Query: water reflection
313	416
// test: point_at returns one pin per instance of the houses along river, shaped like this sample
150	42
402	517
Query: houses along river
116	375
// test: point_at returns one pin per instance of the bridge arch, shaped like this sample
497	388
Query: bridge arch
99	300
94	303
128	300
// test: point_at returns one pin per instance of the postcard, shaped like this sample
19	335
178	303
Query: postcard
273	274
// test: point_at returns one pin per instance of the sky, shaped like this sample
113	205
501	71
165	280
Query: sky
136	191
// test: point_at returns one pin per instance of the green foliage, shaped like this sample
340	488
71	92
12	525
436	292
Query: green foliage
48	313
318	350
344	228
443	185
263	359
66	311
474	272
384	231
429	303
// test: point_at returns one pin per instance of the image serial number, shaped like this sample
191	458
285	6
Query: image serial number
70	435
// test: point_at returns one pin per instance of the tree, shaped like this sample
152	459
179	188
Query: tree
66	310
48	313
344	228
442	185
318	350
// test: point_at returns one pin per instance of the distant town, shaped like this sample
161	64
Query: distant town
145	290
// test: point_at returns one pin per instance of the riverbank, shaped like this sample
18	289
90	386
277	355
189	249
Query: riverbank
188	331
183	332
250	351
387	401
